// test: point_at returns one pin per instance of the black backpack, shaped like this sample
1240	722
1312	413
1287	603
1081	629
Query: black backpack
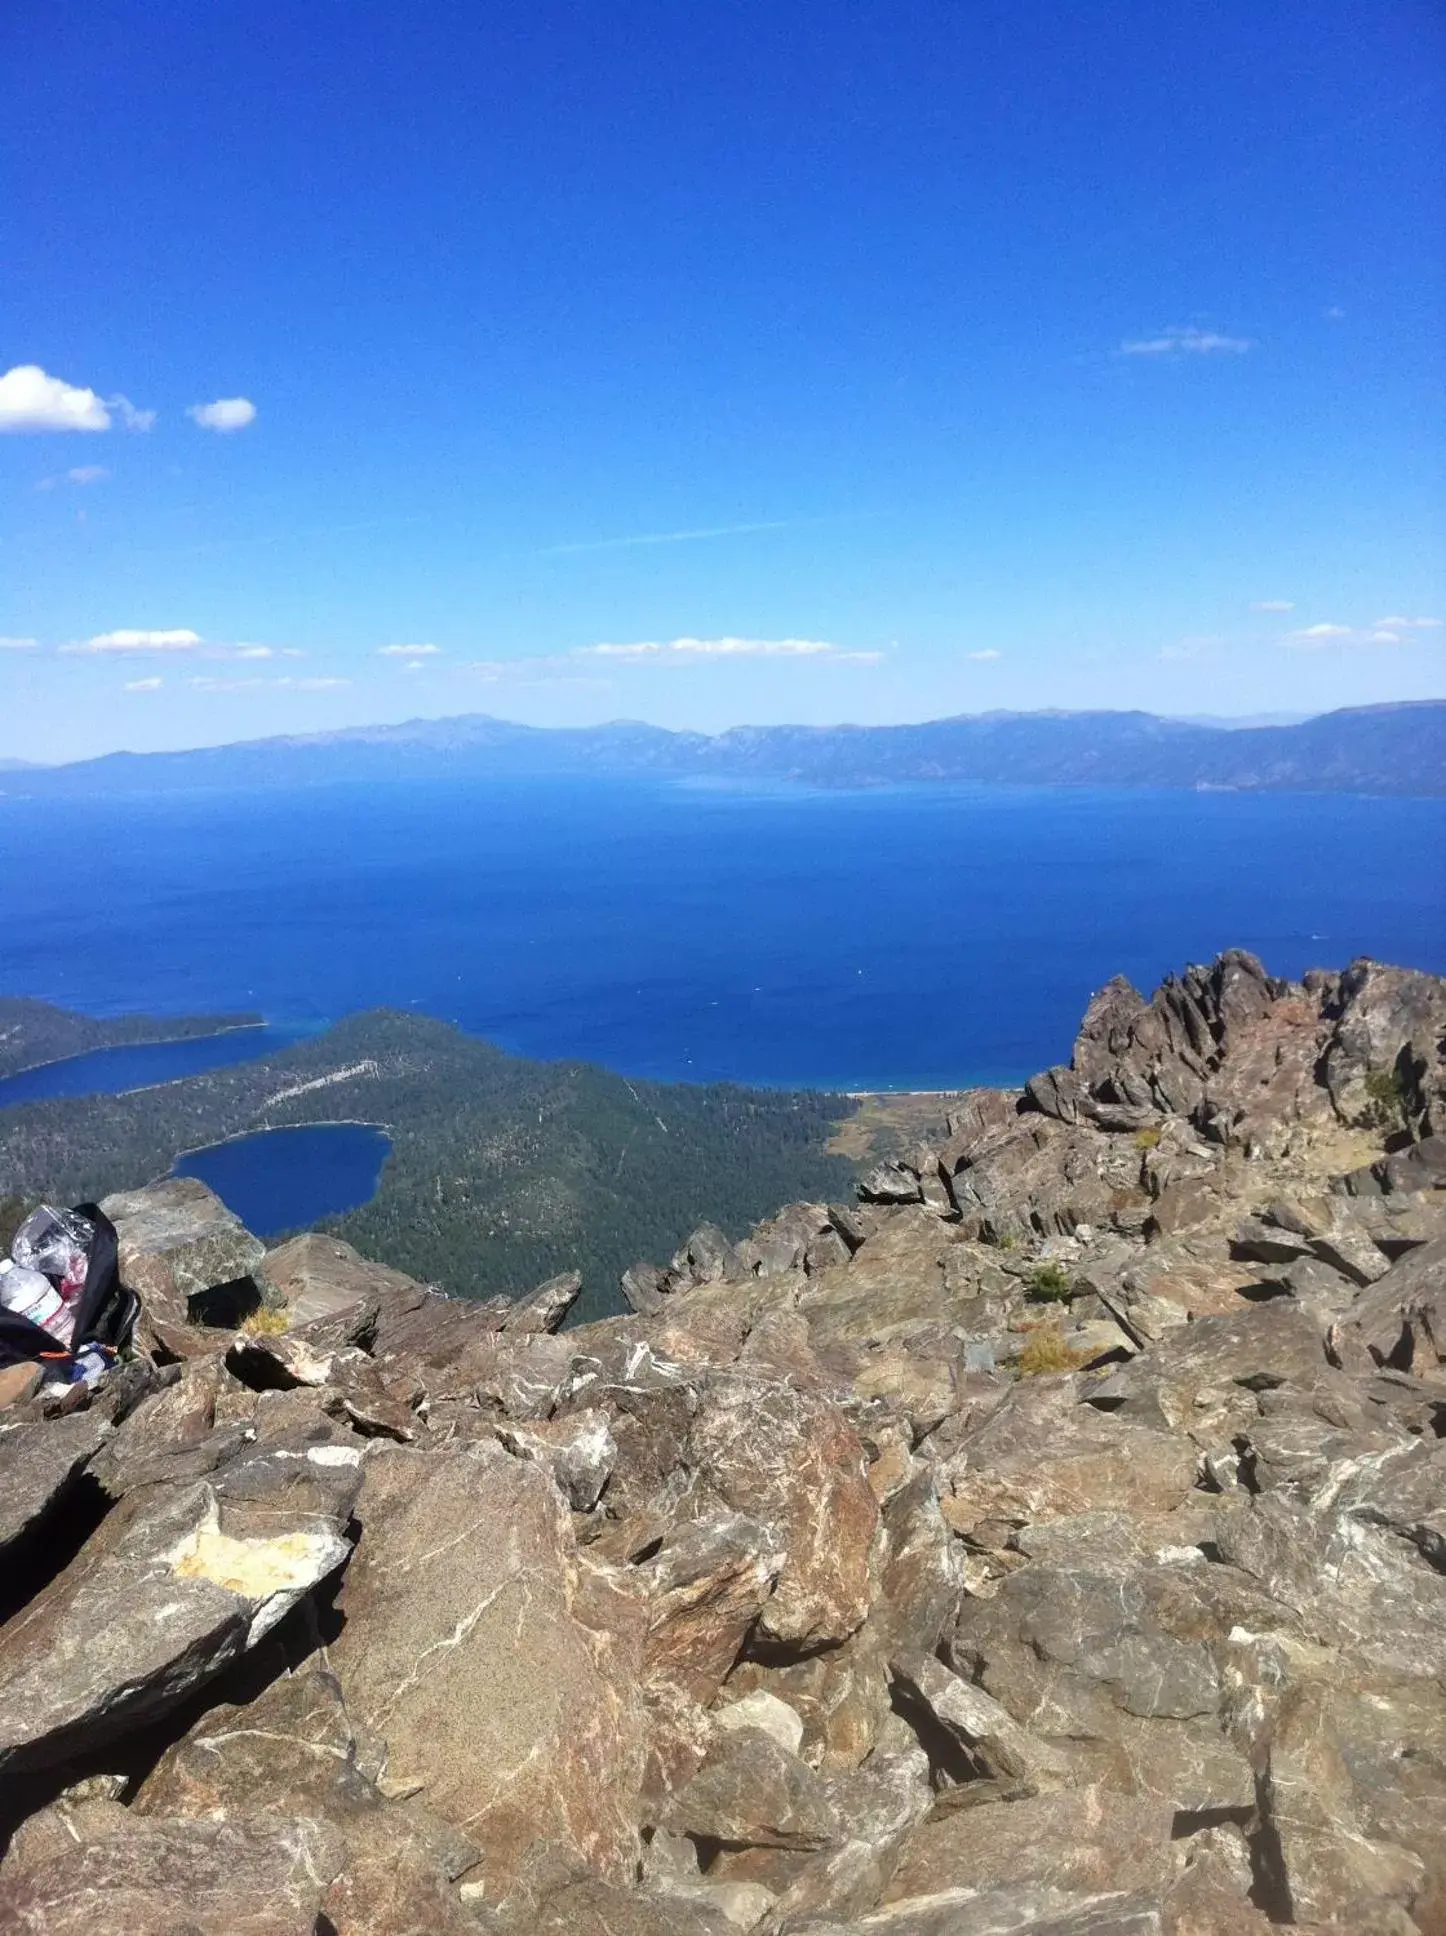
104	1317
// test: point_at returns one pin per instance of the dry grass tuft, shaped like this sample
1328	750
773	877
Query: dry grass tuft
265	1323
1044	1351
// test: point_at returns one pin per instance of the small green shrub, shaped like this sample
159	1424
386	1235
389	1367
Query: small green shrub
1048	1284
1147	1138
1386	1099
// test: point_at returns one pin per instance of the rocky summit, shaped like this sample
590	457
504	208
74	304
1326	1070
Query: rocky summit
1051	1541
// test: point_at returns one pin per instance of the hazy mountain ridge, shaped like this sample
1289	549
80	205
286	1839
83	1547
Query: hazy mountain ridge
1390	749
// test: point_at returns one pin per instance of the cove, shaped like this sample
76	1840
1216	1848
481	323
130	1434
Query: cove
142	1065
281	1179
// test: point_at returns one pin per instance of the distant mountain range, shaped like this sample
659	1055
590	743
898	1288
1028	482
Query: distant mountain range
1393	749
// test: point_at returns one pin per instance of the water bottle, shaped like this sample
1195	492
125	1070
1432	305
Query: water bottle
31	1295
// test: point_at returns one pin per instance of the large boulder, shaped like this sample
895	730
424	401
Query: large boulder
75	1871
185	1253
39	1464
154	1605
791	1459
500	1668
319	1276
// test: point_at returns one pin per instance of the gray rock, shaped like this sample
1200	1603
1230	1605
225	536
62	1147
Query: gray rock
39	1463
752	1793
987	1743
74	1871
153	1606
578	1450
182	1250
545	1308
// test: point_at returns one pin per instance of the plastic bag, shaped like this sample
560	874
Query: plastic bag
56	1243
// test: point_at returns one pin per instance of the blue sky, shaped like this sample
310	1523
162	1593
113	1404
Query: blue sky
823	361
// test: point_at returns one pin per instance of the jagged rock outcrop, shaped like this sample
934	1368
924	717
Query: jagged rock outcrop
1052	1542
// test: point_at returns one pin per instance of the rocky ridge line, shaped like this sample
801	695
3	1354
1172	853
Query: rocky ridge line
1051	1541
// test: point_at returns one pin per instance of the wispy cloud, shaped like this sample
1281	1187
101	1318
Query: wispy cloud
78	474
609	657
409	651
1272	605
1195	646
1382	631
130	417
226	414
988	653
693	536
1186	342
203	682
180	639
18	645
690	651
129	639
143	685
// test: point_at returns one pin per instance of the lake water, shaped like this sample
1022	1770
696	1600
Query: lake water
904	938
284	1179
110	1072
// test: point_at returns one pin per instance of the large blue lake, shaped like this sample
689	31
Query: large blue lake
910	938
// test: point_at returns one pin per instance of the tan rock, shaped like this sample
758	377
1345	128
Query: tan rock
705	1589
791	1459
1087	1839
502	1672
99	1867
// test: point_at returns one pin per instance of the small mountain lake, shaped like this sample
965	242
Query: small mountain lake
281	1179
140	1065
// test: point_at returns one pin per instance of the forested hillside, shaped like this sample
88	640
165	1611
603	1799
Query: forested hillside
503	1170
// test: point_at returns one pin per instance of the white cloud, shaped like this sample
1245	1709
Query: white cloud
18	645
225	414
1320	634
32	401
128	640
1272	605
1186	342
990	653
143	685
1384	631
255	652
1334	314
408	651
